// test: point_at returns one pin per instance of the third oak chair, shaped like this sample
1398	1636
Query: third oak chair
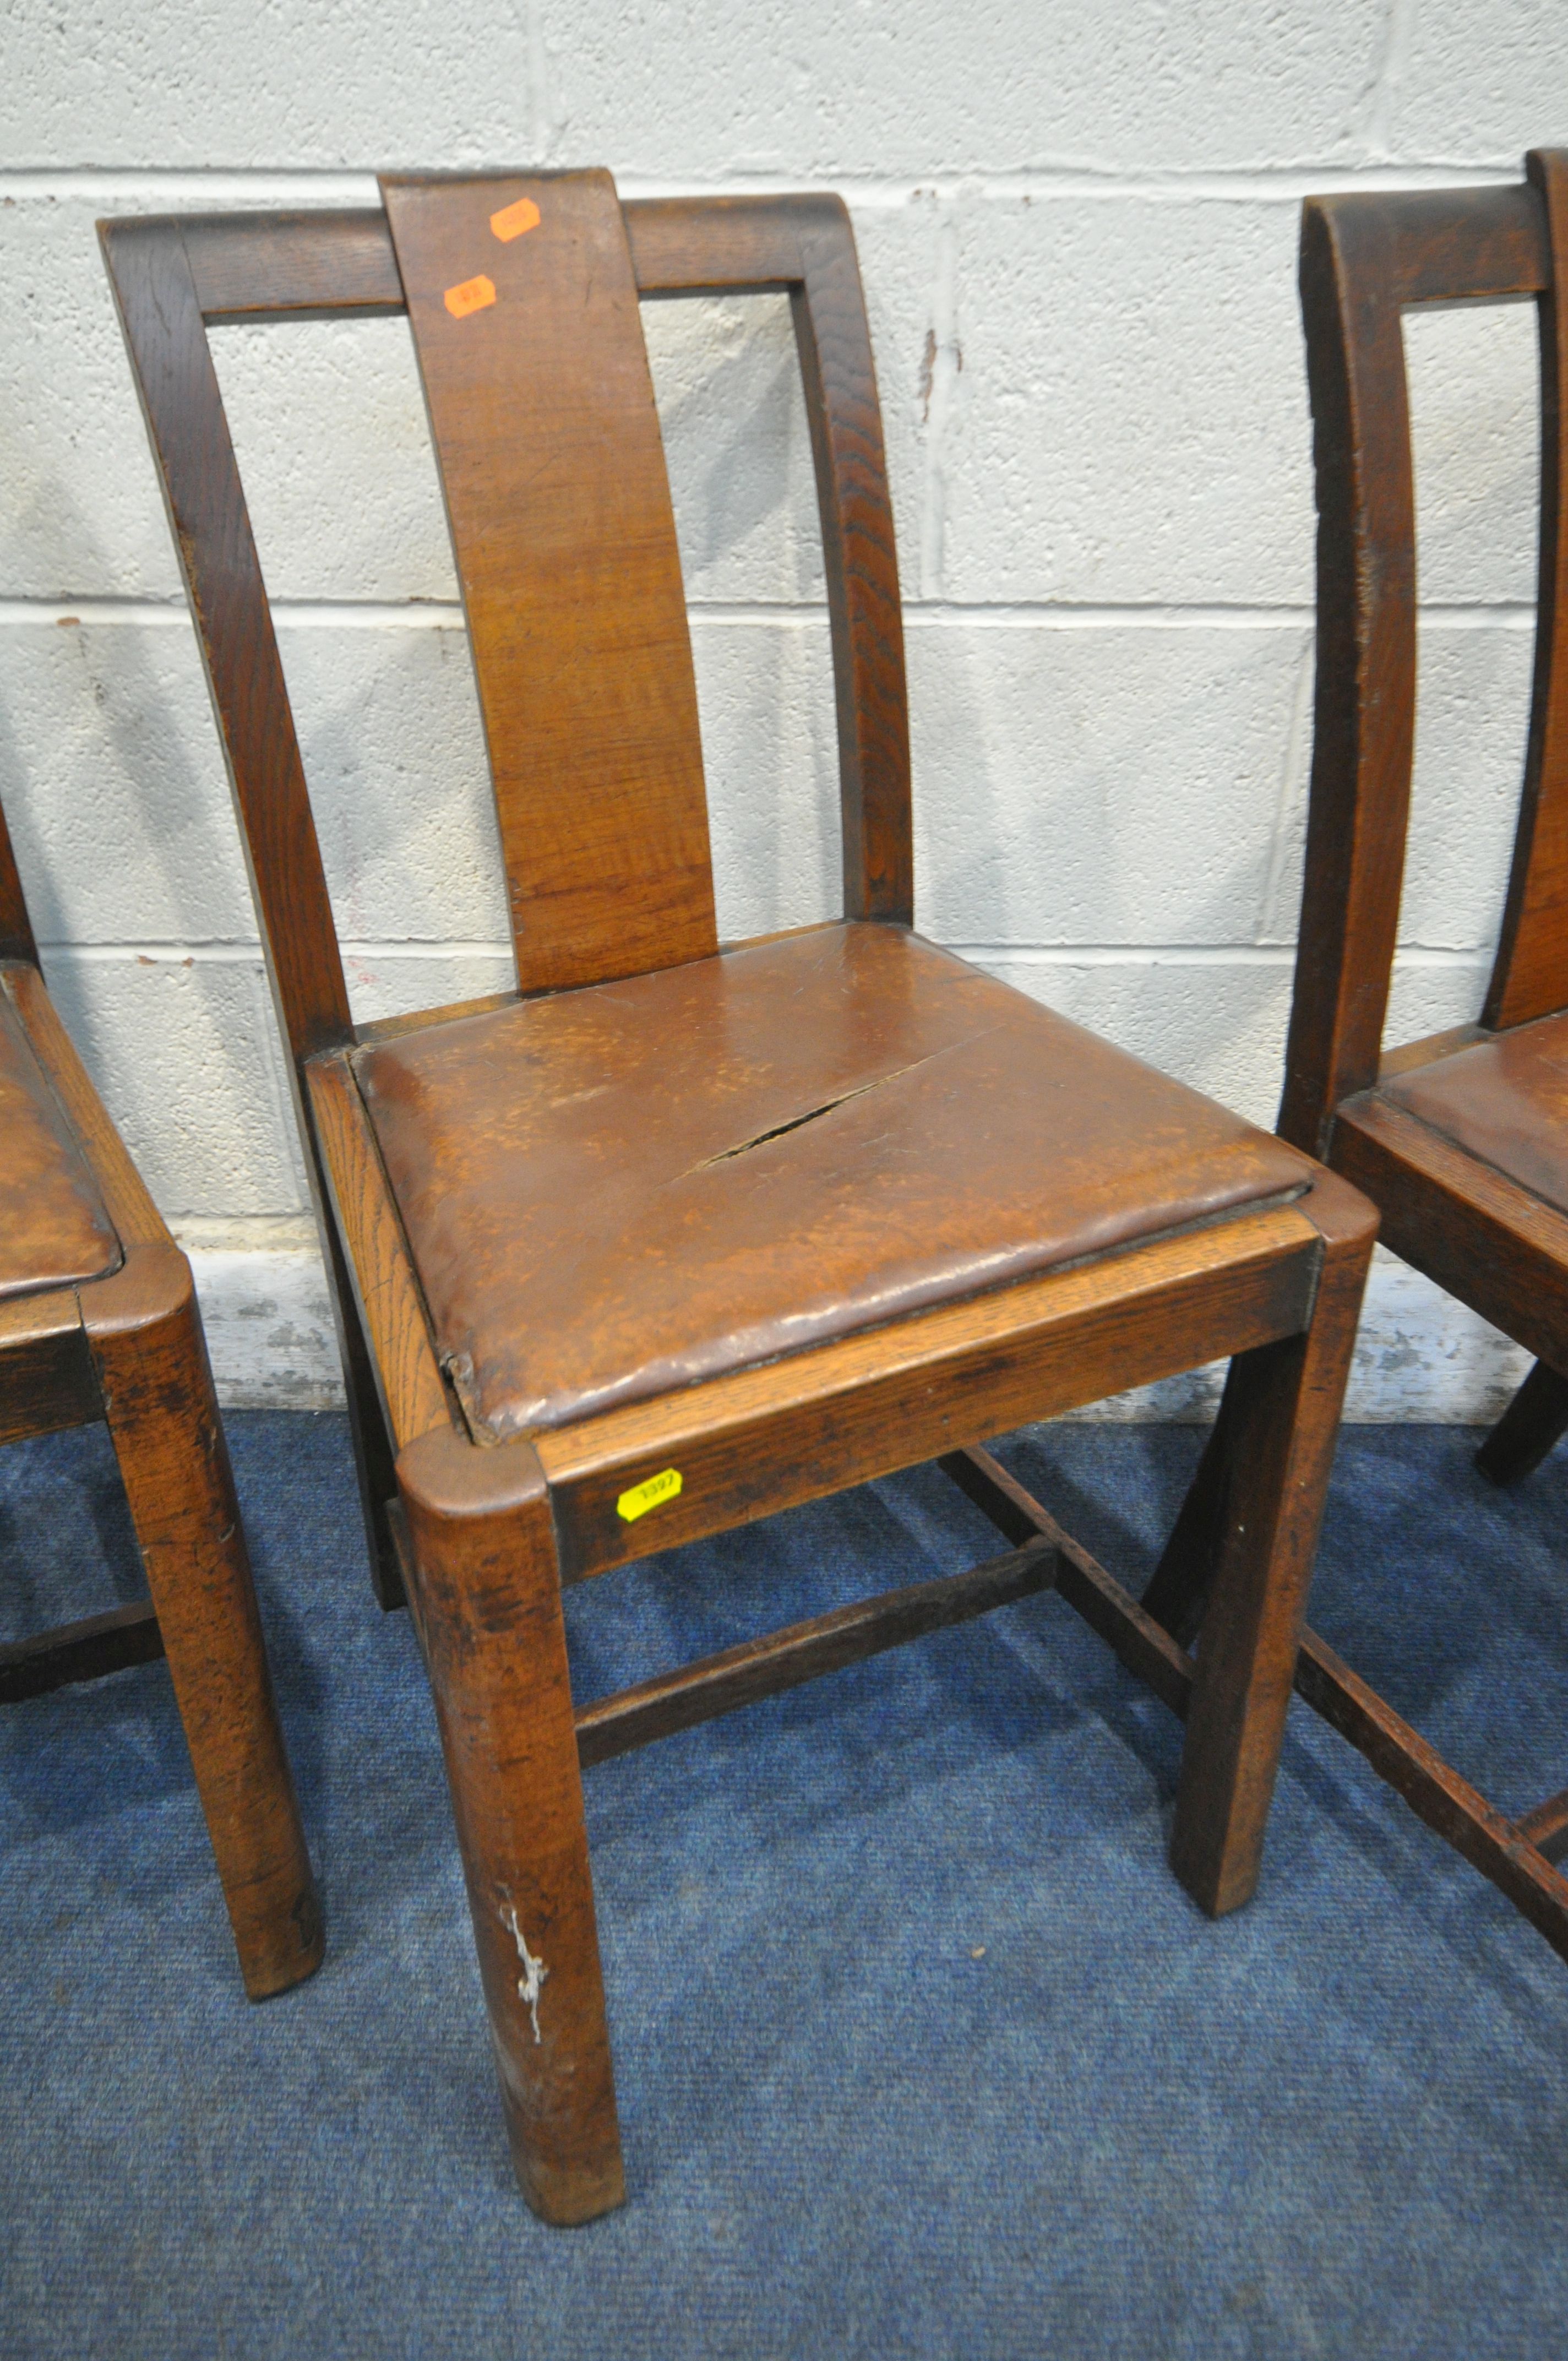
676	1235
1462	1137
98	1320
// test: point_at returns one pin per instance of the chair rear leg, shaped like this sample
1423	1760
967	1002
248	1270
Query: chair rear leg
1535	1420
488	1610
1178	1592
1254	1516
373	1459
151	1359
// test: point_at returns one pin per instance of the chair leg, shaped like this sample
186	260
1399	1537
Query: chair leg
488	1608
151	1359
1253	1517
1535	1420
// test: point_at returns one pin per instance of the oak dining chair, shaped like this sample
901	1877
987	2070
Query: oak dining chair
677	1233
98	1320
1461	1138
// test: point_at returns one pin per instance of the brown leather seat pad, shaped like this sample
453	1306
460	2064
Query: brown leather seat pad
617	1190
1505	1100
53	1228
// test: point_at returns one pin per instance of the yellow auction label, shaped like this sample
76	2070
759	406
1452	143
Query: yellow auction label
650	1494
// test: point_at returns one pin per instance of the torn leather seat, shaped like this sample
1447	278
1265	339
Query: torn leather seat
615	1190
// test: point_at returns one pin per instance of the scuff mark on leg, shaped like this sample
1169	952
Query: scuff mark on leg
534	1972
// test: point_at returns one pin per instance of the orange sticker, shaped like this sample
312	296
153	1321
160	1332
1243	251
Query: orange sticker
512	220
472	296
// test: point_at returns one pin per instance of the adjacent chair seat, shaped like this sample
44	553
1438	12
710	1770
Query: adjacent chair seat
1503	1100
56	1230
639	1184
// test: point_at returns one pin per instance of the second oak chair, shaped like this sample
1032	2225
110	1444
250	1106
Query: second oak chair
675	1235
1462	1138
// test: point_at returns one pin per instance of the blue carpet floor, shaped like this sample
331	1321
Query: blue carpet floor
920	2049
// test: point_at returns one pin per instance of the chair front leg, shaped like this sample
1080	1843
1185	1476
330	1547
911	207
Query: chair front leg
1253	1519
151	1360
488	1608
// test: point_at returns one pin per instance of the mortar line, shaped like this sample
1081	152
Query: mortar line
919	614
337	185
240	950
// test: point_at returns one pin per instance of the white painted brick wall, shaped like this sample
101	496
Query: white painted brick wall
1077	228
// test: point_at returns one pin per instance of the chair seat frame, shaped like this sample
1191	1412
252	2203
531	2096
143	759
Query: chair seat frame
481	1540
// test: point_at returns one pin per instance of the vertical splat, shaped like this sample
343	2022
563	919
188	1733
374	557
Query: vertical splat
541	408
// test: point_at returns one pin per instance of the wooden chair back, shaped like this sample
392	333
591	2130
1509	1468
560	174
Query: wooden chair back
1365	260
15	926
522	293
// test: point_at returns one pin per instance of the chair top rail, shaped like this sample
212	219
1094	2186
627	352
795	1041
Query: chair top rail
320	264
1450	245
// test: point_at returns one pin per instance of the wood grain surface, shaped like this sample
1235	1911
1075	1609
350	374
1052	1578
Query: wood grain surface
547	439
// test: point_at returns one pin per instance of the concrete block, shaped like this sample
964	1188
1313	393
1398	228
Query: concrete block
920	88
1131	420
1421	1355
1106	785
290	87
903	90
115	785
736	444
1132	424
82	517
727	381
393	747
1474	381
1472	713
184	1051
327	417
1217	1021
1479	83
1472	718
122	815
771	755
333	447
1431	992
